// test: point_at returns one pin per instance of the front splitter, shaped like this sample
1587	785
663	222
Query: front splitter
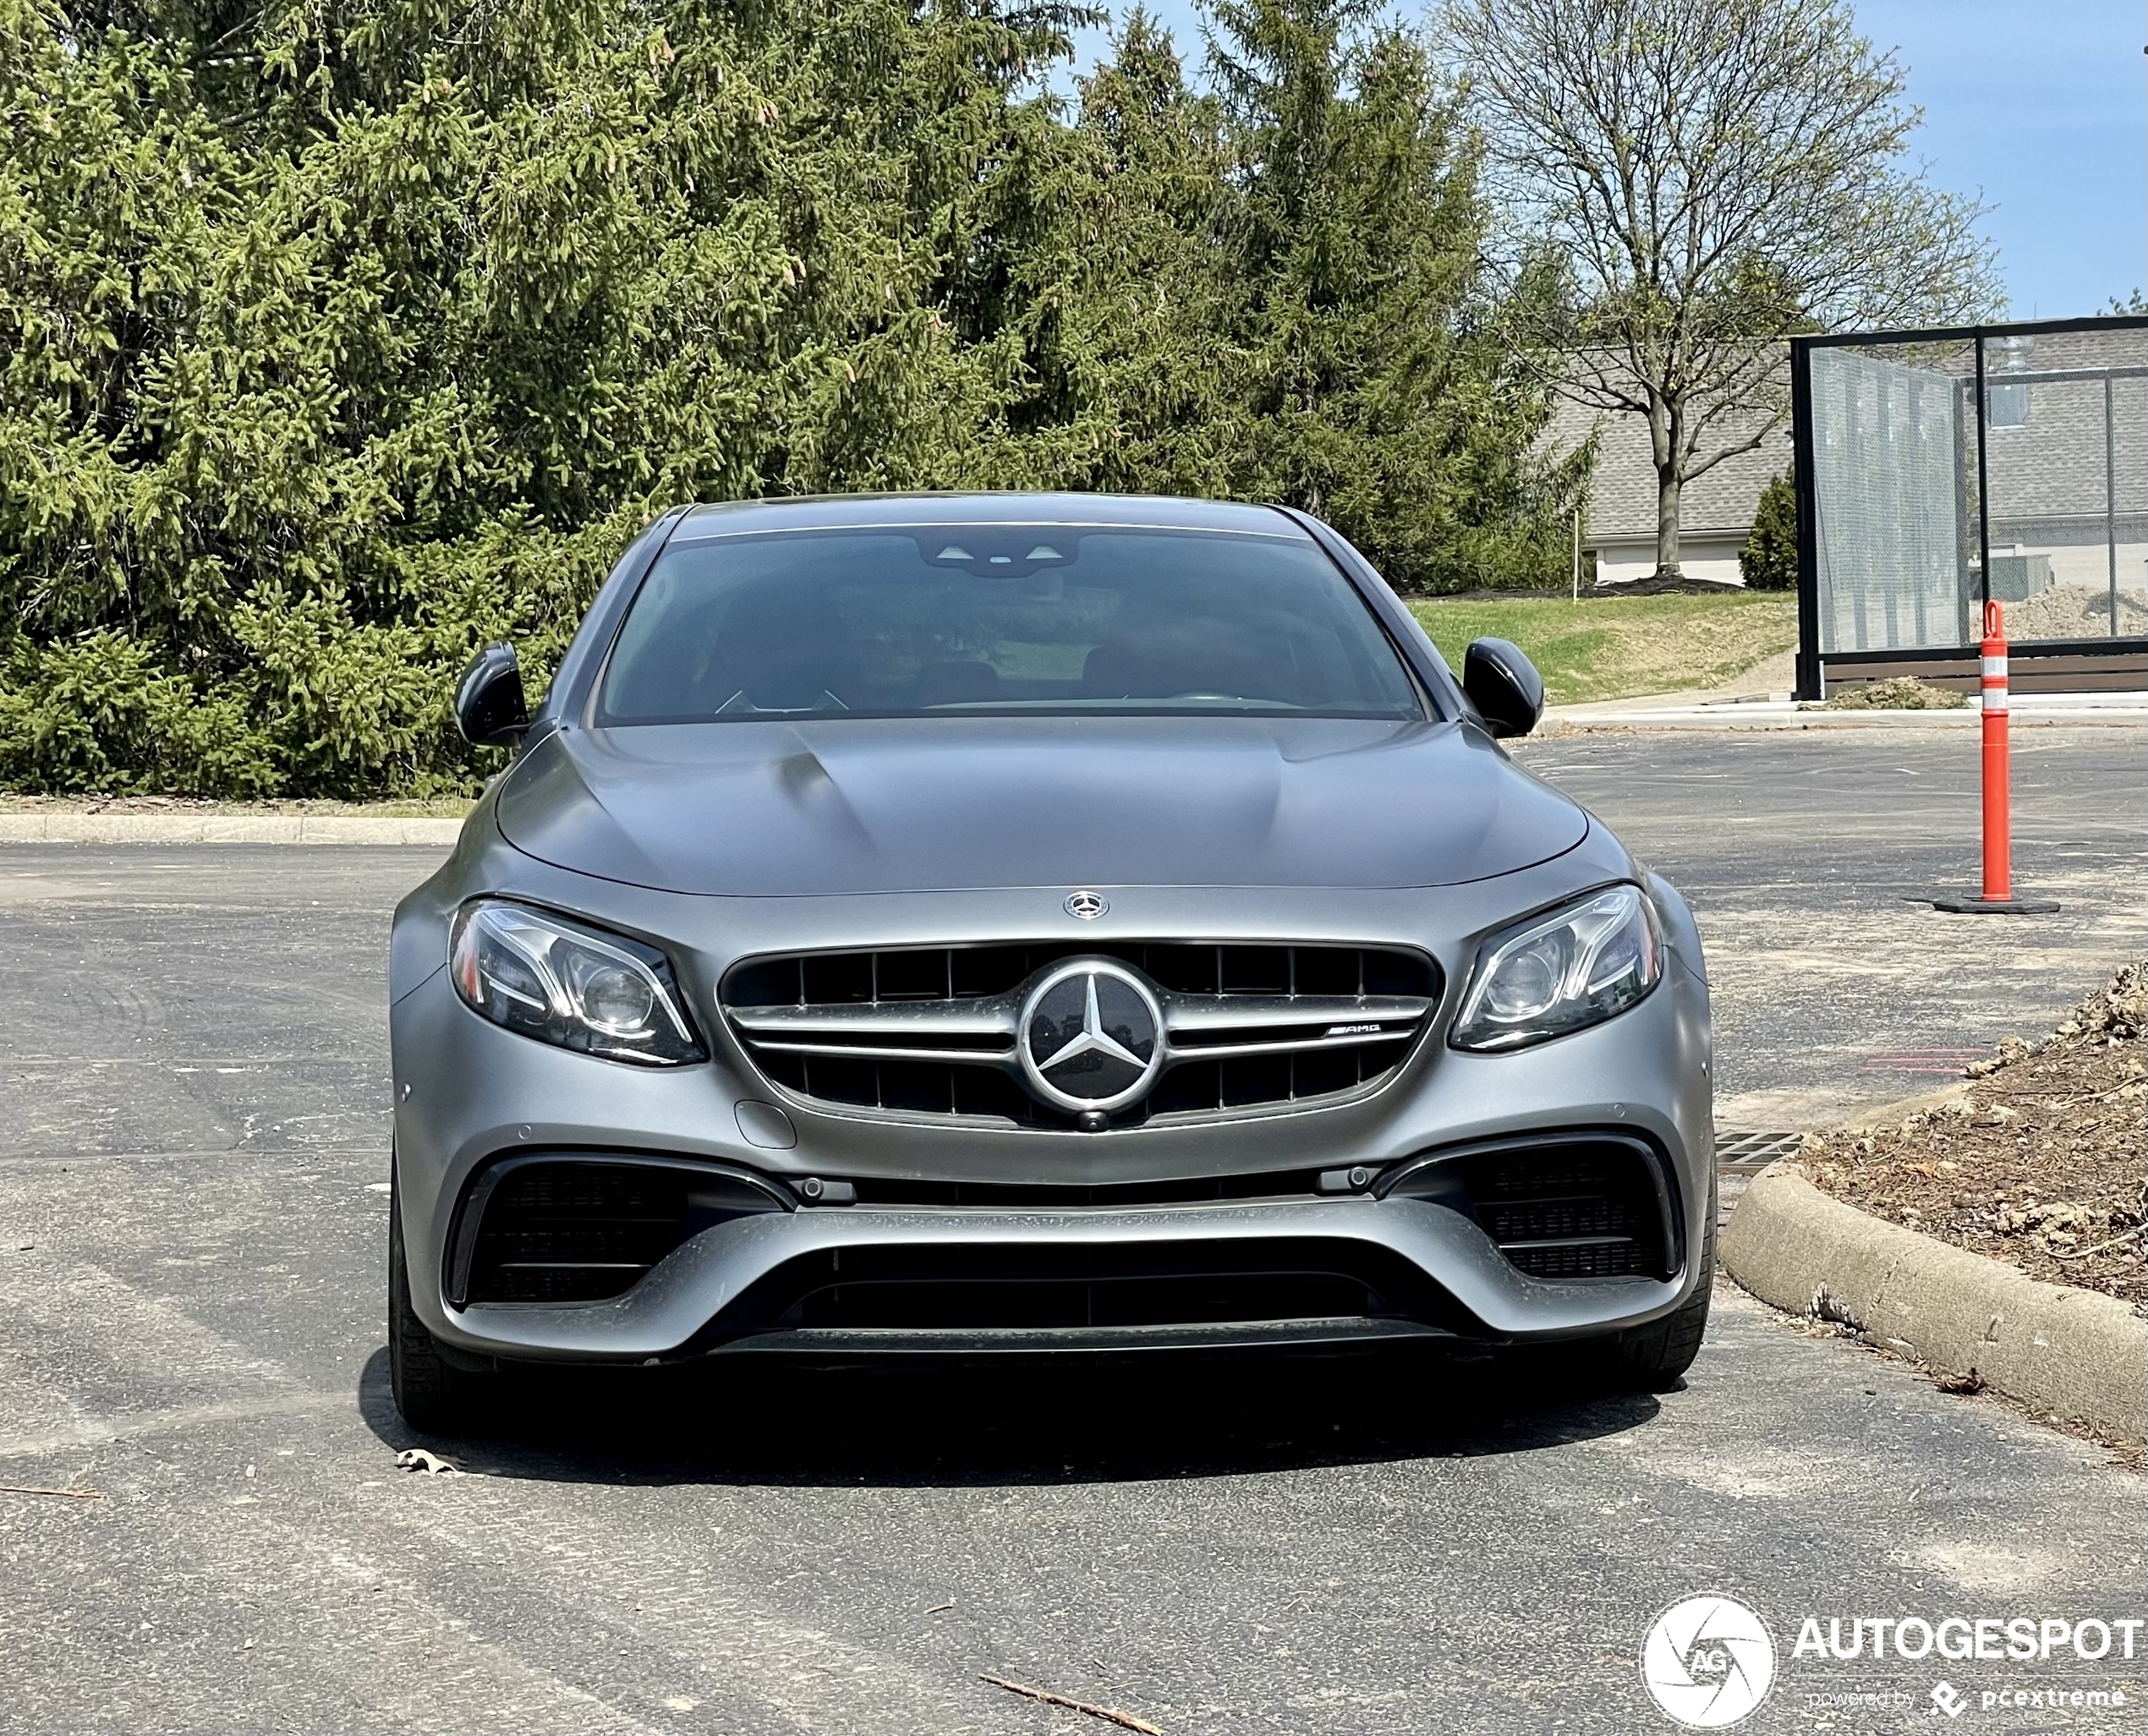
847	1343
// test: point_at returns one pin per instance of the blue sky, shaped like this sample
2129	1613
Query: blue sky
2041	106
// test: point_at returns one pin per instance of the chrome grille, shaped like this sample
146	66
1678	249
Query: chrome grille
932	1030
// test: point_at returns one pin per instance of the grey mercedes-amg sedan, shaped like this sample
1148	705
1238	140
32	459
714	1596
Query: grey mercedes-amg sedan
1022	922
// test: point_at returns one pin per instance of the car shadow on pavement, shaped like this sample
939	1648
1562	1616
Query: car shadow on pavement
934	1423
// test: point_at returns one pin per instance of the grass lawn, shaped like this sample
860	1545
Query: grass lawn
1614	648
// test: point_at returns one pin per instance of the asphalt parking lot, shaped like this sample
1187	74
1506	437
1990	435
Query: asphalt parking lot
1802	855
193	1115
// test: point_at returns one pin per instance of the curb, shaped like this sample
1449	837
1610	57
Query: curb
225	828
2077	1353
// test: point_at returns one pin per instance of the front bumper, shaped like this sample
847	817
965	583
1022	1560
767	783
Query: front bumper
468	1092
685	1306
692	1302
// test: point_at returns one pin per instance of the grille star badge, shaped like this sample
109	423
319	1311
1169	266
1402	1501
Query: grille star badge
1092	1037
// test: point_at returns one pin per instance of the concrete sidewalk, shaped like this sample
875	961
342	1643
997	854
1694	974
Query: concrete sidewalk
60	826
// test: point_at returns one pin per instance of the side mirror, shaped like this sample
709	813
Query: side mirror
1503	685
489	704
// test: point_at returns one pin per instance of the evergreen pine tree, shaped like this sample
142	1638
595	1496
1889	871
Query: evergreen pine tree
1372	394
337	336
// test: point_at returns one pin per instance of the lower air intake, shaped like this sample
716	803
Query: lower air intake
1132	1302
1585	1206
543	1230
961	1286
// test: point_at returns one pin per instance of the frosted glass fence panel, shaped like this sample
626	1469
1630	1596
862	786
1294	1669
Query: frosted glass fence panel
1894	458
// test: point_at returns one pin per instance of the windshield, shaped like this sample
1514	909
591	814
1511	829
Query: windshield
939	619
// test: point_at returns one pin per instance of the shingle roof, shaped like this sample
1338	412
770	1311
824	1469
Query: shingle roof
1623	496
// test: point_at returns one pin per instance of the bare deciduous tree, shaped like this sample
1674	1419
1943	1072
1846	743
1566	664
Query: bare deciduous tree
1690	179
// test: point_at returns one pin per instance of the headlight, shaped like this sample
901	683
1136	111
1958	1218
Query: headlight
1554	974
561	983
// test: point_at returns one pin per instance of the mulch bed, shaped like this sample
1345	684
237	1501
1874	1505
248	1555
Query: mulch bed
2042	1163
1658	585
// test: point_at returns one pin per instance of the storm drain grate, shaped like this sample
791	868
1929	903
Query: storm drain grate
1748	1153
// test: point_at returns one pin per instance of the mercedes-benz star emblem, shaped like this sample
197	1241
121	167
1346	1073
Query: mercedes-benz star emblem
1092	1037
1086	906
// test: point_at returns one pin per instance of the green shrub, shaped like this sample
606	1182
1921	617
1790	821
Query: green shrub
1768	562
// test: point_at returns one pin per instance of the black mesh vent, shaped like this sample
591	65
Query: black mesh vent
1580	1260
924	1306
959	1286
1580	1211
1579	1208
582	1230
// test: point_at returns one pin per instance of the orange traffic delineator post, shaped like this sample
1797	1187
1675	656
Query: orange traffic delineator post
1997	899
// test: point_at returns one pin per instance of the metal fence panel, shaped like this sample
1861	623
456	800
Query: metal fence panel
1911	486
2066	461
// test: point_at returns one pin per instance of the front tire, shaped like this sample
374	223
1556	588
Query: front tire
435	1397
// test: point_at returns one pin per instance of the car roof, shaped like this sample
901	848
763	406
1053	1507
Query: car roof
864	512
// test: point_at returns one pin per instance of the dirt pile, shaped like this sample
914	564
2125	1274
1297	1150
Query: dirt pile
1901	692
2076	612
2043	1162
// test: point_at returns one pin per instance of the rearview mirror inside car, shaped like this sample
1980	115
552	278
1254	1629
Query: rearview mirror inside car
1503	685
489	704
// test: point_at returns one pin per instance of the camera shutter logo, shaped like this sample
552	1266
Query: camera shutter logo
1707	1661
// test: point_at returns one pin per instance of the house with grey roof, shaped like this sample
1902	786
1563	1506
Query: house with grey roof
1716	507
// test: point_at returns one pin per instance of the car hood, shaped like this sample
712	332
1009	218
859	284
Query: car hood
953	804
